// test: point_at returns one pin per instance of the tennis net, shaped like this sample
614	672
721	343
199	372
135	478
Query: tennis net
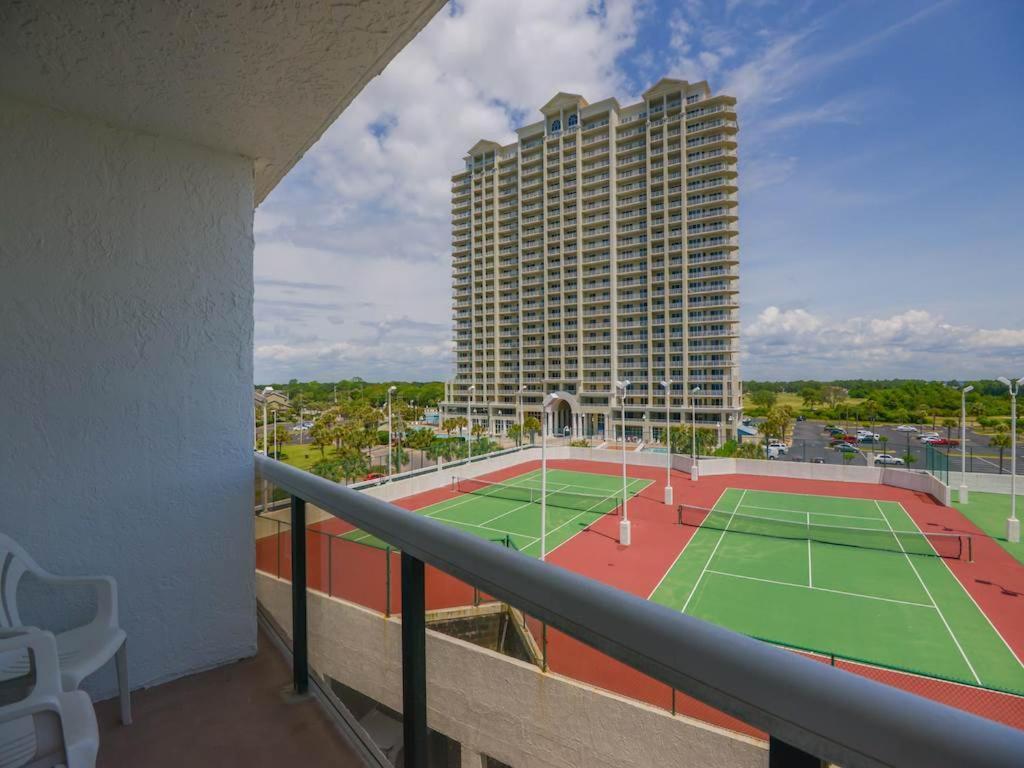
582	502
955	546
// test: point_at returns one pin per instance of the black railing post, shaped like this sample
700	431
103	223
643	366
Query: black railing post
414	663
783	755
300	646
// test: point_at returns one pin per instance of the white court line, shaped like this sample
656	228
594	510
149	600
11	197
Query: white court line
458	502
818	495
966	592
517	508
928	592
824	589
810	567
581	514
805	512
713	551
671	567
484	527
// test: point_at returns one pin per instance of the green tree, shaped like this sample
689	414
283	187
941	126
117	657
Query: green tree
778	421
811	396
322	435
516	433
352	464
1001	440
763	398
950	425
450	424
532	426
749	451
883	440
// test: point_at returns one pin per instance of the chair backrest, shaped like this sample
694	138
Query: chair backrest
15	562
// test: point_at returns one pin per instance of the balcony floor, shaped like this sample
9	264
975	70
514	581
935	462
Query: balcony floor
231	715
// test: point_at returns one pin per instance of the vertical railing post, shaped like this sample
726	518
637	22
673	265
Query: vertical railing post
300	647
414	662
387	582
783	755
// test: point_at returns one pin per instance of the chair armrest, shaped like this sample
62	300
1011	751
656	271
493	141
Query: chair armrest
106	593
43	646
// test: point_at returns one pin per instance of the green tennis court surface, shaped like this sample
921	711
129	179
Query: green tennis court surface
860	581
989	511
509	512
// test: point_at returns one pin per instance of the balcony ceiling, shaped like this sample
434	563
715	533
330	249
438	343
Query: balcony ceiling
260	79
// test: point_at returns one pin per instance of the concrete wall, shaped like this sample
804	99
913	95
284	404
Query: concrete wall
986	482
500	706
126	297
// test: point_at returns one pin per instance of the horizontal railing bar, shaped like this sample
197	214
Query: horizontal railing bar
837	715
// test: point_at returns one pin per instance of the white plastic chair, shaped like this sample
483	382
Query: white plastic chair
41	725
81	650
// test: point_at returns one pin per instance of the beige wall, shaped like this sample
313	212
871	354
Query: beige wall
500	706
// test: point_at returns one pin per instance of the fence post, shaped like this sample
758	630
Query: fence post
414	663
783	755
387	582
300	647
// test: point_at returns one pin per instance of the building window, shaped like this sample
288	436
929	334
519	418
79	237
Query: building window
572	120
556	125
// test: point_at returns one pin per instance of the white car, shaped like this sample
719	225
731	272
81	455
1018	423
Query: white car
928	436
888	460
906	428
778	447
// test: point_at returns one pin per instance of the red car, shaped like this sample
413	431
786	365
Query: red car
374	476
945	441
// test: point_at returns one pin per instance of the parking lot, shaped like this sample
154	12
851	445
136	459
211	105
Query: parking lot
810	442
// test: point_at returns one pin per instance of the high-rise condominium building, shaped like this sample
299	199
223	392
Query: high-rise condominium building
601	247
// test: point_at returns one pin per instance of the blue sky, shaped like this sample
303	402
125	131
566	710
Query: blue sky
881	178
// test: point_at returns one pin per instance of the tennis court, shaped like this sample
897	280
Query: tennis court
509	512
853	577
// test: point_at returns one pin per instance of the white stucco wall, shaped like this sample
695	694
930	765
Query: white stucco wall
126	293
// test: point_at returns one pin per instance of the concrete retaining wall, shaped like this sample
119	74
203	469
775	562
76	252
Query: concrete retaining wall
500	706
986	482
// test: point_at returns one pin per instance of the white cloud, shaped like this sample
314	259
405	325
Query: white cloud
794	343
368	207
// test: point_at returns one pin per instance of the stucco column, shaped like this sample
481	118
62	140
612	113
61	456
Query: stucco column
471	759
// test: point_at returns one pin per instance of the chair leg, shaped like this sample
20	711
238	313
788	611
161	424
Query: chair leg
122	683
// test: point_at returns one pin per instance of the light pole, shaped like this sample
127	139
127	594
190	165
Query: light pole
694	471
391	389
469	421
667	384
266	393
549	401
1013	524
519	400
963	443
275	433
624	537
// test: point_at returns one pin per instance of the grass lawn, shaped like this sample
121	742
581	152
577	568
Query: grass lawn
989	511
303	456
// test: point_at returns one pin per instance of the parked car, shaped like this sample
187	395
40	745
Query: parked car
867	437
801	417
906	428
374	476
944	441
846	448
924	436
817	460
778	447
929	438
888	459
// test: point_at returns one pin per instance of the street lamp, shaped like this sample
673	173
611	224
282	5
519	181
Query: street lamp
549	402
622	387
469	421
1013	524
391	389
667	384
266	392
694	471
519	401
963	443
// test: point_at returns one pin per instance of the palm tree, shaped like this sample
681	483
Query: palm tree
949	424
515	433
532	425
1001	440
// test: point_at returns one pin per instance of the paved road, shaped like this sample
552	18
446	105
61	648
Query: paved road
810	441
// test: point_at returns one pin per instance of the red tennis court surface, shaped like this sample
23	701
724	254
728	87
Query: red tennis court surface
359	573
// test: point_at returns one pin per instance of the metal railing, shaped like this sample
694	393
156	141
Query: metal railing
812	712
